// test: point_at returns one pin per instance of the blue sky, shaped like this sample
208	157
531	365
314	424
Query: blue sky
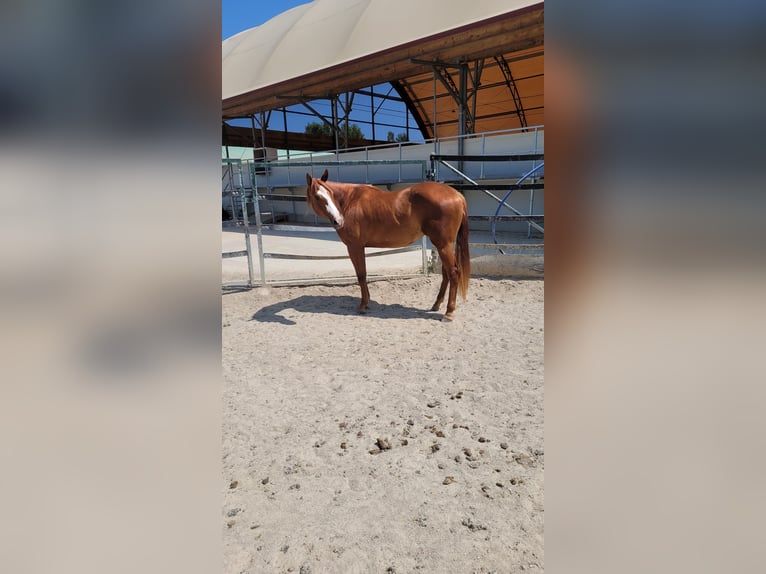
239	15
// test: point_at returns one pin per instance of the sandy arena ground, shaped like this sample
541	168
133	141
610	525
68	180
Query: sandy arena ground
389	442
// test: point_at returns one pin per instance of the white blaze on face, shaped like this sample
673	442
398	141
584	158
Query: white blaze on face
332	209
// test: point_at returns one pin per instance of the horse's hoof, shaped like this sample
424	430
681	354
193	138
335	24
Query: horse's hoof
362	310
447	319
435	308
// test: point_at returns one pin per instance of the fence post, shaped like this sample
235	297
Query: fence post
261	258
248	247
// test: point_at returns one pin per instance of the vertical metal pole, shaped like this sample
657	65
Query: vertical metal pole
229	168
264	122
483	142
535	140
435	165
248	246
478	66
463	87
461	84
245	223
372	107
346	112
252	129
532	193
434	90
284	122
424	250
233	207
407	124
335	130
259	237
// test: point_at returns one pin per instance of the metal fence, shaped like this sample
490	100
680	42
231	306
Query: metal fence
245	200
254	197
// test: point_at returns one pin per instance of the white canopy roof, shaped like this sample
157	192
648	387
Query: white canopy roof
326	33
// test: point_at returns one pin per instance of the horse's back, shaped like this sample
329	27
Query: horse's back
437	199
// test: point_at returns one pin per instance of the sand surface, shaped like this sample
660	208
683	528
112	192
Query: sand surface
313	390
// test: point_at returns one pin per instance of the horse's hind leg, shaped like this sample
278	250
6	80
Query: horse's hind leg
442	289
360	266
449	272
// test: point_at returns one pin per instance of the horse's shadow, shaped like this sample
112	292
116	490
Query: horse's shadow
342	305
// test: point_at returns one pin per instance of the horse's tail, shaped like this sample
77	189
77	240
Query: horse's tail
462	256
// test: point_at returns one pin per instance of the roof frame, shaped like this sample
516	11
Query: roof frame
506	70
521	30
487	68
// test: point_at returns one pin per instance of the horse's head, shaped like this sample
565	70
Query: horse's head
322	199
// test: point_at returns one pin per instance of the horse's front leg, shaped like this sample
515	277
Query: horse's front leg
360	266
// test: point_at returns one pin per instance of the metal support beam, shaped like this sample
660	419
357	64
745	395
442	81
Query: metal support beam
349	102
446	79
510	82
462	119
478	68
317	114
335	120
434	63
372	111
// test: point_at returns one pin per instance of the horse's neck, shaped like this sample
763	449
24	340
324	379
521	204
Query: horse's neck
345	192
338	194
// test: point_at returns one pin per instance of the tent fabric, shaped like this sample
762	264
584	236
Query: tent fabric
331	46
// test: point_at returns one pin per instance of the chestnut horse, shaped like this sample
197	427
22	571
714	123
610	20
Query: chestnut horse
365	216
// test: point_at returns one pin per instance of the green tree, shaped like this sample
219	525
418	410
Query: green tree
354	131
323	129
318	129
402	137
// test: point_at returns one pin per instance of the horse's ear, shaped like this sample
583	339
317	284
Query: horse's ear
325	175
308	178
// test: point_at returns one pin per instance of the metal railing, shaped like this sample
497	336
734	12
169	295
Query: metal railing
336	163
442	159
253	197
535	132
507	195
278	173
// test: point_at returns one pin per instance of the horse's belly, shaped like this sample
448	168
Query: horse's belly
394	240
